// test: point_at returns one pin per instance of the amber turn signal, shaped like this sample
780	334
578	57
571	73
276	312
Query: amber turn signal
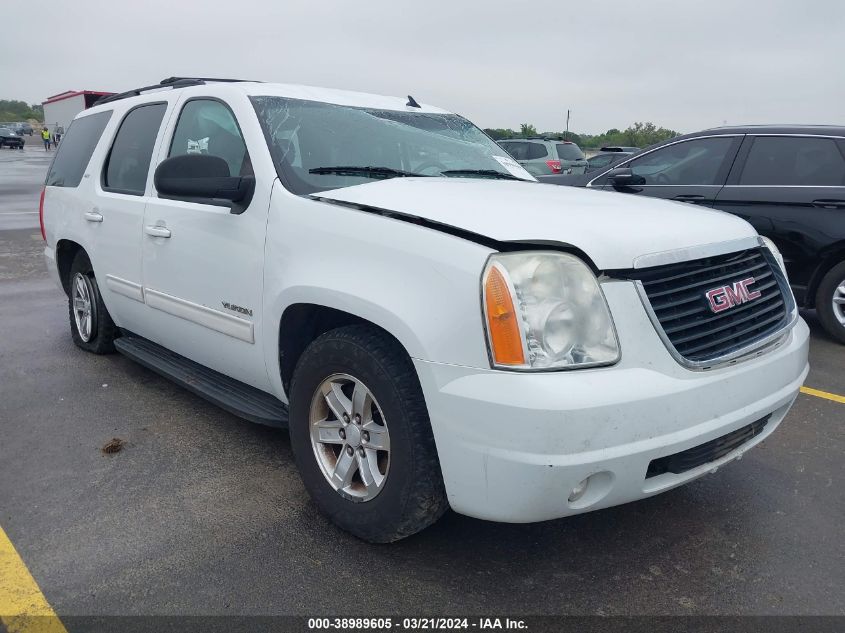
502	323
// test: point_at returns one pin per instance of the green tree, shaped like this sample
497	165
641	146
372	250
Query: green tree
526	130
498	133
11	110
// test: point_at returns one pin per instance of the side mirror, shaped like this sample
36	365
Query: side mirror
205	179
623	178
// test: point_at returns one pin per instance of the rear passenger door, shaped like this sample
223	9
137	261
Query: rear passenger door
791	188
115	216
203	264
691	170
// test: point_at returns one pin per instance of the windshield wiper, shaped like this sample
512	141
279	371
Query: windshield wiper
366	172
484	173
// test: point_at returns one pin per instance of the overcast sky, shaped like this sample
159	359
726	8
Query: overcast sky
682	64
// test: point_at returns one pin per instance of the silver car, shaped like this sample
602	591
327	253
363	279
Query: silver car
543	156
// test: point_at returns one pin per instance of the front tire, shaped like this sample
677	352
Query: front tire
830	302
361	435
91	326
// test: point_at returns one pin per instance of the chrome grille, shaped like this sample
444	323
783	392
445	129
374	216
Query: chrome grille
677	295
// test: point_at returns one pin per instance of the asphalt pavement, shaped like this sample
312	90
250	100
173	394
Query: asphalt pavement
202	513
21	177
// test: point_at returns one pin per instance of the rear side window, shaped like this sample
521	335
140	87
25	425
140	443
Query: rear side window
537	150
208	127
796	161
128	162
569	151
75	151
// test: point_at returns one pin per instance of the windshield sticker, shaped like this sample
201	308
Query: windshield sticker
514	167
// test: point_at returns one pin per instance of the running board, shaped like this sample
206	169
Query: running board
227	393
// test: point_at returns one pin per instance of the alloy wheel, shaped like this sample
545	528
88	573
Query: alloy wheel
839	302
350	438
84	309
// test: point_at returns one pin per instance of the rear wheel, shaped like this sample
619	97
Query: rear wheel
91	326
830	302
361	435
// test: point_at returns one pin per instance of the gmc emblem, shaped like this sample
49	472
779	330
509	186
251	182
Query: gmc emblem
726	297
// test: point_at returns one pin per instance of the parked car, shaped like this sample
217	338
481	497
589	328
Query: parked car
609	155
25	128
433	326
787	181
542	156
9	138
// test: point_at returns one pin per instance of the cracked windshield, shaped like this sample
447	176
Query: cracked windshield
320	146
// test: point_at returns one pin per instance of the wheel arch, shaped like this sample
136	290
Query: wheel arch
833	255
66	252
303	321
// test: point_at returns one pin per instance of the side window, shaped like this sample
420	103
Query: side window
796	161
536	150
208	127
569	151
602	160
76	149
128	162
694	162
518	150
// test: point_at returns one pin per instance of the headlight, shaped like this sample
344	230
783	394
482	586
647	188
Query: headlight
545	310
774	250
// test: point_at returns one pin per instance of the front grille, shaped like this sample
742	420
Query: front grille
677	294
705	453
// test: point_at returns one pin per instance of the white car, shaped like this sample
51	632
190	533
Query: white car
435	328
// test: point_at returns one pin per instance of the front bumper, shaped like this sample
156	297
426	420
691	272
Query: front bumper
513	446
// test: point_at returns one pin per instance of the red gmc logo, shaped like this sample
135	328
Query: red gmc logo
726	297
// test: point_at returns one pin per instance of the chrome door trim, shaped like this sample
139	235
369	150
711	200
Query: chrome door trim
125	288
227	324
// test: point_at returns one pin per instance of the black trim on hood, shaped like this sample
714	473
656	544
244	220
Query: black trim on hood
470	236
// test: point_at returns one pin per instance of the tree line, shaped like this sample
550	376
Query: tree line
11	110
636	135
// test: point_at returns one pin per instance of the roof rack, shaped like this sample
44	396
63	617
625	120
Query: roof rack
170	82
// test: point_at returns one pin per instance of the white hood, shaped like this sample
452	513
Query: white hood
611	228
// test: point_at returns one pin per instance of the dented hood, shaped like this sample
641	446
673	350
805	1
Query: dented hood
613	229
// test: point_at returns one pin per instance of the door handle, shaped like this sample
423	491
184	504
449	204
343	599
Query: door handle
93	216
829	204
157	231
688	197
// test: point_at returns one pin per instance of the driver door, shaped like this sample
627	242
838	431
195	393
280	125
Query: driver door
204	265
694	170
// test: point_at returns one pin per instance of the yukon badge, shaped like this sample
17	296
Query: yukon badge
234	308
725	297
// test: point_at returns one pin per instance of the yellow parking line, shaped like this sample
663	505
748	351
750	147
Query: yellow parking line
23	608
823	394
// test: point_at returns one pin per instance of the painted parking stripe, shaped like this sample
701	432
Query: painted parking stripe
23	608
823	394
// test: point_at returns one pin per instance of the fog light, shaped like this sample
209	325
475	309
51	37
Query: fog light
579	490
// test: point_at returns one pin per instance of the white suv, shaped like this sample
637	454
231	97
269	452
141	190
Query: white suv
436	329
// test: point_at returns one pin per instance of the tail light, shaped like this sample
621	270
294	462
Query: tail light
41	213
554	165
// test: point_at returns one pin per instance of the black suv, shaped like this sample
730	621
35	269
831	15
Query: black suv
10	138
787	181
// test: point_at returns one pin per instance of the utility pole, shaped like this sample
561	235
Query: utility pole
566	134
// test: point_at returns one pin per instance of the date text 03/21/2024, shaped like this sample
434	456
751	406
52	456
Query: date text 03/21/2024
416	624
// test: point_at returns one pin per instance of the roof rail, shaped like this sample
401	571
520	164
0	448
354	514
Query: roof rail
170	82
